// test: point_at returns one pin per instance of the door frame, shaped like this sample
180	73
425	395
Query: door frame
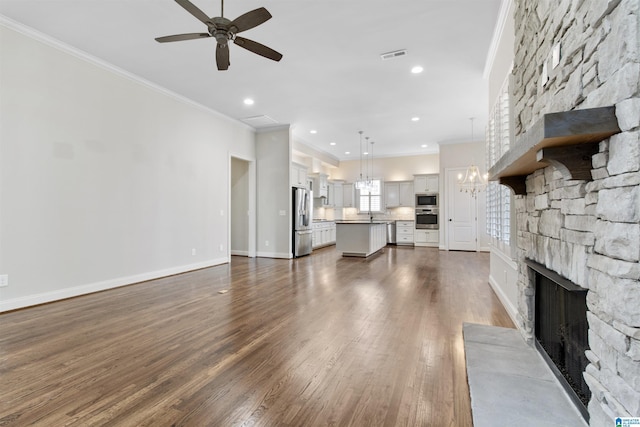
252	234
447	187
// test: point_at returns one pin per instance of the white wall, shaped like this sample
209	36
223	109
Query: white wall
389	168
104	180
273	154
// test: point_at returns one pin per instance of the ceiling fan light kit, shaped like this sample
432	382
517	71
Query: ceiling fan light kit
224	30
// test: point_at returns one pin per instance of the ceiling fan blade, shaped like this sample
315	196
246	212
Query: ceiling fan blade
180	37
251	19
195	11
258	48
222	56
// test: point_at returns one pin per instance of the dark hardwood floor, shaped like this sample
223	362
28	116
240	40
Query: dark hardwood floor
321	340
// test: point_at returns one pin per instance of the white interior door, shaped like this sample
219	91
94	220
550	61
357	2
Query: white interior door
461	213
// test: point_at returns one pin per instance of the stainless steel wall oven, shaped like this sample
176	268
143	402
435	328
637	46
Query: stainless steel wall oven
427	218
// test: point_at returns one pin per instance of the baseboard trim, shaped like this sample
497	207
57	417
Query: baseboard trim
240	253
274	255
511	309
60	294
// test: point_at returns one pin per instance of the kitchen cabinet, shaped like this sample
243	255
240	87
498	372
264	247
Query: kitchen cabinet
338	195
398	194
404	232
330	200
426	183
298	175
320	185
324	234
392	194
347	196
429	238
407	194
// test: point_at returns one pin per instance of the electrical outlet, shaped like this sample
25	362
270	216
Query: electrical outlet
4	280
193	251
221	247
266	243
283	213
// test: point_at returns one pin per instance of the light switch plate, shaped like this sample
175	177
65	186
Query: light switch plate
555	56
4	280
544	75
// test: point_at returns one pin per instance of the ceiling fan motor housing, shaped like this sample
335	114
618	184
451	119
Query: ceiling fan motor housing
221	29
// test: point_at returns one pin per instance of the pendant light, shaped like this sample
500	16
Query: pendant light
360	182
363	184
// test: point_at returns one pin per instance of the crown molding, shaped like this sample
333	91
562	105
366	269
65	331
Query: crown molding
503	15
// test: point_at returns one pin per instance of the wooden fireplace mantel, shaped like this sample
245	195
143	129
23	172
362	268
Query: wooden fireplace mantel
566	140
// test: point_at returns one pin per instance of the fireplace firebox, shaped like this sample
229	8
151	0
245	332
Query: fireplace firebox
561	329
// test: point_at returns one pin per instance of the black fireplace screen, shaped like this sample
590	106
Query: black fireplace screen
561	328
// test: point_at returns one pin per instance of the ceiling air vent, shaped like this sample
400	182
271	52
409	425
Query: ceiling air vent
259	121
394	54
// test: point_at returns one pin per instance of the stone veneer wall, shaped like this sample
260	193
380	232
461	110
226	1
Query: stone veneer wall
589	232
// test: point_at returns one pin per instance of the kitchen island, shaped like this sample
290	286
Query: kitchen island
360	238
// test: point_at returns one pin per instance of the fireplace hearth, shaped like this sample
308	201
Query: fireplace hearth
561	330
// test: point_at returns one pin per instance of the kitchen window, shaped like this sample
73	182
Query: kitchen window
371	200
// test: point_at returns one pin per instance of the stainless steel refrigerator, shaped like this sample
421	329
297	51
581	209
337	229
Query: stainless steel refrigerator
302	221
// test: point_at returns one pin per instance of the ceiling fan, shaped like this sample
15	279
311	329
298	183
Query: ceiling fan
224	30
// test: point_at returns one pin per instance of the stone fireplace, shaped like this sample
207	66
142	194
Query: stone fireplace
583	227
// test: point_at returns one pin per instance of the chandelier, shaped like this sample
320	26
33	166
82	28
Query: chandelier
473	181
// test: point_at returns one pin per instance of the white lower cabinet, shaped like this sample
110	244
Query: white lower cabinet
429	238
404	232
324	234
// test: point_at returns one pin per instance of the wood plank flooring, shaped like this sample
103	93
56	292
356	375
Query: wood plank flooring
317	341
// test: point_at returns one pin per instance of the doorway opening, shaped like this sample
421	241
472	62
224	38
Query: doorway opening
241	220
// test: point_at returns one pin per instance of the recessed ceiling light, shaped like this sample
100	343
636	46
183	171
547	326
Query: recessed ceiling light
417	69
248	101
424	145
313	131
347	152
415	119
366	153
332	143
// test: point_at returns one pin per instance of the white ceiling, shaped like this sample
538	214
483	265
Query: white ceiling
331	77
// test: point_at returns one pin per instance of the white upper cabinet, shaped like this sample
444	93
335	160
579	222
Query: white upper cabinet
398	194
321	185
391	194
338	195
298	175
347	196
426	183
407	198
